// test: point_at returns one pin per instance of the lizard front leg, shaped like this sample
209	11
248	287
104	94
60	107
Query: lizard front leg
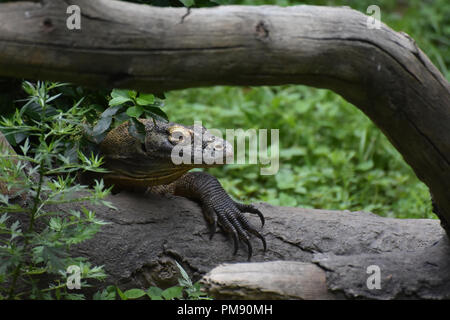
218	207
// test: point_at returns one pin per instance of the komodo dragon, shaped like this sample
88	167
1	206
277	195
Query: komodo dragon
148	166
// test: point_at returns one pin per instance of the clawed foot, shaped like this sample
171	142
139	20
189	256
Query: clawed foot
219	208
229	215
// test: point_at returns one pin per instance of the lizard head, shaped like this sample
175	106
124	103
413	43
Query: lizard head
167	152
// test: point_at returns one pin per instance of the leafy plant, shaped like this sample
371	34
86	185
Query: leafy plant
331	155
35	238
185	290
128	105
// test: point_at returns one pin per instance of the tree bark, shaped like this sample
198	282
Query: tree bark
311	254
127	45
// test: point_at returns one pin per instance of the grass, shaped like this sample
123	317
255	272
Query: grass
331	155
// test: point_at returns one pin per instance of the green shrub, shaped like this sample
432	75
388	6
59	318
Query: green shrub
331	155
37	246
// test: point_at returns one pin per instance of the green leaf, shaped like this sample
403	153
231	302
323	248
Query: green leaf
54	257
121	117
287	200
364	166
107	294
19	137
109	112
116	93
221	2
74	296
36	271
292	152
121	294
156	113
184	274
132	94
118	101
55	224
102	125
119	97
171	293
188	3
134	293
137	129
135	111
145	99
285	179
154	293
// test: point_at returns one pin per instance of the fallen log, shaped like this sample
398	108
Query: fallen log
317	254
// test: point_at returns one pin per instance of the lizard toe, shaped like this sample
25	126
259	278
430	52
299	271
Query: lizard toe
251	229
211	217
250	208
233	221
228	227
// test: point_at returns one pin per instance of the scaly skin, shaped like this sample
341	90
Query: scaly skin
136	165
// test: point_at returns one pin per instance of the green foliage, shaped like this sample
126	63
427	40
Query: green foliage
185	290
127	105
331	155
43	174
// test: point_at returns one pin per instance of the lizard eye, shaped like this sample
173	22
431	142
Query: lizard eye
178	134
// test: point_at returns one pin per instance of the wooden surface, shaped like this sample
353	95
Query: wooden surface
148	233
268	280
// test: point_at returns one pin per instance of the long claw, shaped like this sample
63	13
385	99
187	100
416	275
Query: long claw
261	217
228	226
213	229
220	209
251	229
235	237
236	243
261	237
249	246
251	209
234	222
210	216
